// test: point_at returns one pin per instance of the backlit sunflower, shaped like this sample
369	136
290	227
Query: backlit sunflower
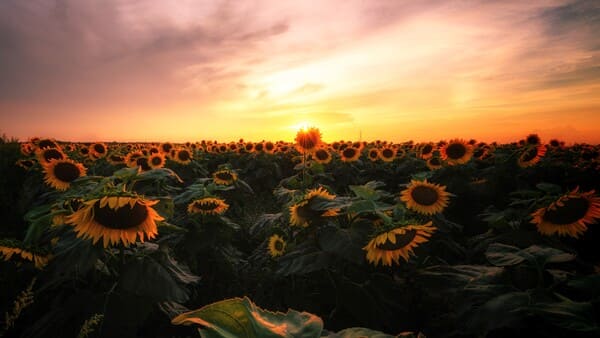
302	213
387	154
269	147
208	206
115	159
425	151
165	148
308	140
456	152
97	150
424	197
373	154
27	148
533	139
276	245
156	160
182	156
116	219
434	163
568	215
60	173
531	155
321	155
48	154
389	246
224	177
350	154
132	157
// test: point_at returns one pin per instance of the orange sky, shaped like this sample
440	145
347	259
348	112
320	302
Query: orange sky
394	70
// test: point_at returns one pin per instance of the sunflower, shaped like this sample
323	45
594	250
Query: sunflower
425	198
276	245
132	157
302	213
568	215
389	246
308	140
373	154
156	160
425	150
27	148
434	163
224	177
11	248
97	150
531	156
60	173
115	159
350	154
321	155
46	155
26	164
46	143
165	148
116	219
269	147
208	206
387	154
456	152
533	139
143	163
182	156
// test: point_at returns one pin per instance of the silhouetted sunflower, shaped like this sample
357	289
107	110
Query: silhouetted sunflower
434	163
531	156
308	140
276	245
568	215
389	246
208	206
456	152
425	198
116	219
269	147
224	177
60	173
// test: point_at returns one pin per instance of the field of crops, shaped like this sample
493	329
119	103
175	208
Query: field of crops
456	238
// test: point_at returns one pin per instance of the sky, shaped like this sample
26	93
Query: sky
124	70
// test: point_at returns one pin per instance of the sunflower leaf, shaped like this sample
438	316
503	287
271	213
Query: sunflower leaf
240	318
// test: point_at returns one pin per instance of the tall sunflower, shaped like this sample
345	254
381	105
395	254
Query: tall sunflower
303	214
424	197
456	152
116	219
60	173
208	206
389	246
568	215
224	177
308	140
276	245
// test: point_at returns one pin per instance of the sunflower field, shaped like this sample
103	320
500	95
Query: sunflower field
455	238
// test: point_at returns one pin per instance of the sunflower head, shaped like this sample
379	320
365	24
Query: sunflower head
115	220
434	163
276	245
456	152
60	173
425	150
308	140
321	155
387	247
224	177
424	197
45	155
208	206
568	215
387	154
350	154
533	139
156	160
182	156
165	148
26	164
531	156
97	150
373	154
269	147
304	213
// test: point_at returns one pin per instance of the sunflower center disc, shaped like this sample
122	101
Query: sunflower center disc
424	195
120	218
572	211
66	172
143	162
99	148
349	152
426	149
402	240
156	160
435	161
184	155
279	245
387	153
224	176
321	154
207	206
456	151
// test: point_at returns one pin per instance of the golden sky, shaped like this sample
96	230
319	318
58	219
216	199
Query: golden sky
393	70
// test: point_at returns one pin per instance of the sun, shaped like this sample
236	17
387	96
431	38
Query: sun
303	125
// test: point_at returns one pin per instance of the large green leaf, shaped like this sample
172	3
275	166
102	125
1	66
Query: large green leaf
240	318
577	316
508	255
